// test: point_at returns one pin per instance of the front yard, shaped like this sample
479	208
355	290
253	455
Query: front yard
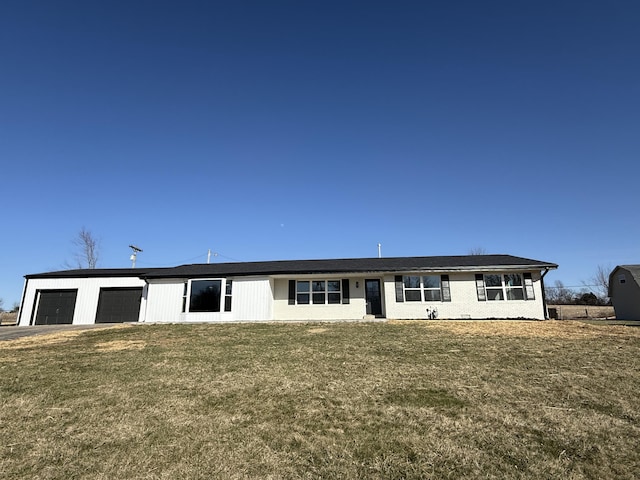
417	399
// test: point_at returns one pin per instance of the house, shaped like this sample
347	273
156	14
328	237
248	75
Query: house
624	291
446	287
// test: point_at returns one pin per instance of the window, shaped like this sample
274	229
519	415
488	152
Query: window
510	286
431	284
425	288
318	292
227	295
412	289
206	295
302	293
184	297
333	291
318	288
493	287
513	286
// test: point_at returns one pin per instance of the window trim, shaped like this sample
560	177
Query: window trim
313	292
444	288
228	294
225	283
526	287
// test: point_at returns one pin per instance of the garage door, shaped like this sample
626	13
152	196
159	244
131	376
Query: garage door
56	306
119	305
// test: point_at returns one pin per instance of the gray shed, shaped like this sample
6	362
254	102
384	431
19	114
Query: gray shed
624	291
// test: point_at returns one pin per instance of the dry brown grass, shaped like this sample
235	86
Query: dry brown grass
517	328
7	318
490	399
576	312
118	345
49	338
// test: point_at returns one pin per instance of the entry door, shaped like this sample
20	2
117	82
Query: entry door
373	297
56	306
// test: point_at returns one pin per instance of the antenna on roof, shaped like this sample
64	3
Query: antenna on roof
134	255
215	254
379	251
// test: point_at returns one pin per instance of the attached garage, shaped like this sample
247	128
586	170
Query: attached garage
84	297
117	305
55	306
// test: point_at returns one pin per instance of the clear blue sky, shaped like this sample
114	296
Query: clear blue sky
269	130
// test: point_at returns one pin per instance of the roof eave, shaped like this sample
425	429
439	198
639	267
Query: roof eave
336	271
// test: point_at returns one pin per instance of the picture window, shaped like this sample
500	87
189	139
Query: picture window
206	295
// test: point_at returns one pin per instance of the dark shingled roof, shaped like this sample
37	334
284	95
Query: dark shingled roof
95	272
300	267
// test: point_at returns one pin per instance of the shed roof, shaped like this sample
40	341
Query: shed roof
325	266
634	271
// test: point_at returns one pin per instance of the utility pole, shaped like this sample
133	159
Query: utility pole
134	255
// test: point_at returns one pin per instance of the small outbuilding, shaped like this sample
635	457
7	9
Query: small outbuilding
624	291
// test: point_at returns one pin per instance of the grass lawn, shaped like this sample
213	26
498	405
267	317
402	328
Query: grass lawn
353	400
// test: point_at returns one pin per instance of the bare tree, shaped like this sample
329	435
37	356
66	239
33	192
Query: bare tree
559	294
1	304
600	282
87	249
478	251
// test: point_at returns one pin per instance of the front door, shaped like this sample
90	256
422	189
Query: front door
373	297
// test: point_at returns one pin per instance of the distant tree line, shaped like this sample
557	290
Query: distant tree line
14	308
595	291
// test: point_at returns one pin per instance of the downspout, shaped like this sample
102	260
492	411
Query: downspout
145	297
544	297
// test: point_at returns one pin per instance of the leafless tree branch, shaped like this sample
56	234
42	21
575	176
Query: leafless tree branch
87	249
601	281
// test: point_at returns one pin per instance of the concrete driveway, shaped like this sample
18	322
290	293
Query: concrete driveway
12	332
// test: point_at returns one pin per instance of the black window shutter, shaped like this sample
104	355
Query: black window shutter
528	287
345	290
446	291
482	296
292	292
399	289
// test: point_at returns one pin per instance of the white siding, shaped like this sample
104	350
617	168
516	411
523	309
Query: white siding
86	300
251	299
164	300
